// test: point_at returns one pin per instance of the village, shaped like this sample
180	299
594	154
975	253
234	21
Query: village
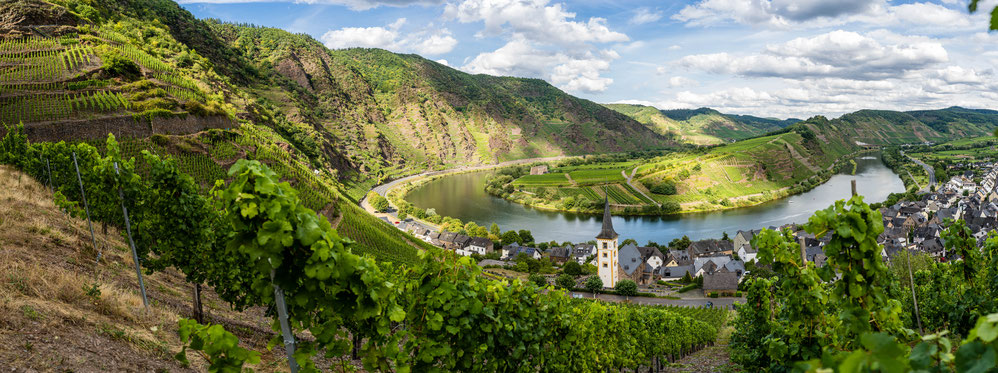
720	264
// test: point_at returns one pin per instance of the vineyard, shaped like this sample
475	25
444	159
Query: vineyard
619	196
443	312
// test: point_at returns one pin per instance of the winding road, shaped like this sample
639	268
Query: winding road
928	169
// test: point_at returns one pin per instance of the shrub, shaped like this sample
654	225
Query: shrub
117	66
572	268
713	294
594	284
626	288
565	281
537	279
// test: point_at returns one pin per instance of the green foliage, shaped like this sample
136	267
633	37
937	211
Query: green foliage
594	284
626	288
565	281
378	202
220	347
572	268
537	279
120	67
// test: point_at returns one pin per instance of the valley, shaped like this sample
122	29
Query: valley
180	190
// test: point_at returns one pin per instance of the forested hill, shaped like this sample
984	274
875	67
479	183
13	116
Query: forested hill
364	112
708	126
702	126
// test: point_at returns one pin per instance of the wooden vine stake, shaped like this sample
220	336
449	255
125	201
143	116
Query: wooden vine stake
131	243
83	196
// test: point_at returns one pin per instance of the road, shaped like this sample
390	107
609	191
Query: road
928	169
630	178
383	189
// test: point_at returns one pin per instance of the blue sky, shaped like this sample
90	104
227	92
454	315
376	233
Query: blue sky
774	58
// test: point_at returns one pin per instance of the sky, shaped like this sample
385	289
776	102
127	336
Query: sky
770	58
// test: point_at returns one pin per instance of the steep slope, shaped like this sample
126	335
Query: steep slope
407	111
703	126
77	69
64	311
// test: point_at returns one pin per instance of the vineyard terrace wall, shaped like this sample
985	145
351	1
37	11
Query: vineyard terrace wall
125	127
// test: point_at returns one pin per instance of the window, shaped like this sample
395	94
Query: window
604	255
604	265
604	246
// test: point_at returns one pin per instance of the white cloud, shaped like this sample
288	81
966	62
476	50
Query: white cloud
843	54
680	81
521	57
645	15
390	38
822	13
533	20
443	62
542	41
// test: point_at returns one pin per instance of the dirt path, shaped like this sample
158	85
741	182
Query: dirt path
797	156
636	189
711	359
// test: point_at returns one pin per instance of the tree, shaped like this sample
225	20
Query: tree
511	237
629	241
121	67
626	287
494	230
572	268
725	237
594	284
379	203
525	237
537	279
680	243
565	281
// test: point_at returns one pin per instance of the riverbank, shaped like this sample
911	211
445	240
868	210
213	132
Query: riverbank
844	164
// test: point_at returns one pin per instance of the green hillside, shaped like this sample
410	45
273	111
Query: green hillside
702	126
363	114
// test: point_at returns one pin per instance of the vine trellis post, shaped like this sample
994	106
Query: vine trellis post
131	243
86	207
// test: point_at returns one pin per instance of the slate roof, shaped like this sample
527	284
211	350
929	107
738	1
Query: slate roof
607	233
709	247
559	252
629	258
722	281
678	271
480	242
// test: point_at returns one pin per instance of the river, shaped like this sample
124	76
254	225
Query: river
463	196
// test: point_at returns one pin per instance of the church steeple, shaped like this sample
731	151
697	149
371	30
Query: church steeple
607	233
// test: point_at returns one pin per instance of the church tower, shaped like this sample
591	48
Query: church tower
606	249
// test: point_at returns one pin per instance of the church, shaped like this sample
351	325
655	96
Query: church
606	250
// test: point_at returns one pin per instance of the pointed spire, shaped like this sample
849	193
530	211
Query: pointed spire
607	233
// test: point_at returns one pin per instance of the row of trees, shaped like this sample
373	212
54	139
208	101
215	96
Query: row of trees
439	314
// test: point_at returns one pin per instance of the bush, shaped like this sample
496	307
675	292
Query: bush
378	202
118	66
738	294
538	280
572	268
626	288
594	284
712	294
565	281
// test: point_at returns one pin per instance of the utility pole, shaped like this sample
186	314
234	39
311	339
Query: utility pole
83	196
131	243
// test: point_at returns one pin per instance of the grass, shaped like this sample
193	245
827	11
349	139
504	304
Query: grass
600	176
551	179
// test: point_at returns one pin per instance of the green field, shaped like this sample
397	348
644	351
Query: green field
601	176
552	179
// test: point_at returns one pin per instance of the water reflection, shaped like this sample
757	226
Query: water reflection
463	197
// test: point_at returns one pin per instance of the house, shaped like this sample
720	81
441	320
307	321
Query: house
511	251
478	245
706	264
539	170
582	254
560	255
710	247
652	256
677	271
721	282
743	239
460	242
630	263
816	255
678	258
736	266
747	253
446	240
